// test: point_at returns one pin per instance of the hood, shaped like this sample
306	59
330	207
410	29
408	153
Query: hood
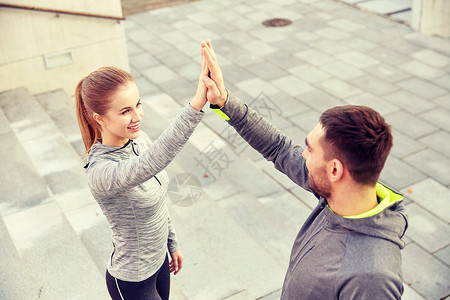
387	221
100	151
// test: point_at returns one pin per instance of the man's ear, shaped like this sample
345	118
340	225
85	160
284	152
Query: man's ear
335	170
99	119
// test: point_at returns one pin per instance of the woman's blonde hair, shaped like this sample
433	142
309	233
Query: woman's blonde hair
93	95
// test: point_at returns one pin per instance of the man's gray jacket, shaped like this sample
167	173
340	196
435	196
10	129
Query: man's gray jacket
332	257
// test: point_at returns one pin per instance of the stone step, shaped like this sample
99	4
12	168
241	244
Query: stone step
21	184
49	256
54	223
16	281
61	109
51	154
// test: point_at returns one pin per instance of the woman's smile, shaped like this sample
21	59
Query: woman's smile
135	128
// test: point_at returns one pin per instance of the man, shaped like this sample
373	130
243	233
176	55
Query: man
349	247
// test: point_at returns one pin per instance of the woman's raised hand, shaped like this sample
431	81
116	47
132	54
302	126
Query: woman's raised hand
216	91
199	99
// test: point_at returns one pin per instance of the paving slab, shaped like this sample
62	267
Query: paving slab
387	72
373	35
143	60
180	89
284	59
346	25
248	175
358	59
309	73
440	117
432	280
409	102
288	105
428	41
444	81
243	264
432	58
389	56
422	87
398	174
422	70
430	232
284	213
358	44
159	74
339	88
292	85
443	101
332	33
330	46
444	255
280	178
306	120
235	73
342	70
315	57
432	163
432	196
409	124
145	86
266	71
405	145
439	141
372	101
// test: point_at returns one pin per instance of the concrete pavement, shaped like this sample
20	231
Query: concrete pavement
237	237
235	215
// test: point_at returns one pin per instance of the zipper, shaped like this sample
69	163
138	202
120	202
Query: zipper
132	147
112	254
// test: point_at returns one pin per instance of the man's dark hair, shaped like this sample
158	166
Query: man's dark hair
360	138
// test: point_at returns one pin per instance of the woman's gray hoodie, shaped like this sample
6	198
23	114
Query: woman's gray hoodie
130	185
332	257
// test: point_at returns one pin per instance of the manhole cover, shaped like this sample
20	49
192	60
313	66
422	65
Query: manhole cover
277	22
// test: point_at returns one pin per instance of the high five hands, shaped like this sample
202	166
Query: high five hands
216	93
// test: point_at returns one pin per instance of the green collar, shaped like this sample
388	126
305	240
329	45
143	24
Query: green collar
387	198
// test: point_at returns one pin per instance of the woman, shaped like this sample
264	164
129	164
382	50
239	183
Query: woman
125	172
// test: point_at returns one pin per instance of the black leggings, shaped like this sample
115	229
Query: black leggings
156	287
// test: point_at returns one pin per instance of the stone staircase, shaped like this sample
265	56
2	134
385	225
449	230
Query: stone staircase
236	239
55	239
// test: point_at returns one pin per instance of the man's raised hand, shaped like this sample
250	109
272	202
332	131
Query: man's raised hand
216	93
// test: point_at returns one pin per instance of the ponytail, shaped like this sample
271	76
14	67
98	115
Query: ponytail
89	129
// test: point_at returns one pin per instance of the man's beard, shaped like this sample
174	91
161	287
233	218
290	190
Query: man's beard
320	184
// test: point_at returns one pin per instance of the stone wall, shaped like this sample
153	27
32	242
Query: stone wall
432	17
45	51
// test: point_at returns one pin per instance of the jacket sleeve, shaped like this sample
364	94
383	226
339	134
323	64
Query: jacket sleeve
172	243
265	138
106	176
